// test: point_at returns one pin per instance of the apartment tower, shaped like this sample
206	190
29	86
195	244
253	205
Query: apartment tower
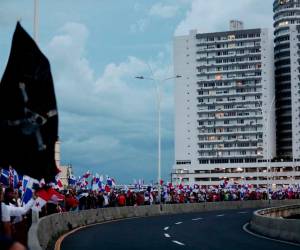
287	82
224	106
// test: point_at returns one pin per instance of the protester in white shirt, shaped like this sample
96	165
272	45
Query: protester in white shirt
5	227
8	210
13	209
5	213
106	201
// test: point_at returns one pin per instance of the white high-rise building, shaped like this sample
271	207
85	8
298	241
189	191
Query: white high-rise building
286	21
225	109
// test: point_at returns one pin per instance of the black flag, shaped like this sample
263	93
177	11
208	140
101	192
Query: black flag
28	111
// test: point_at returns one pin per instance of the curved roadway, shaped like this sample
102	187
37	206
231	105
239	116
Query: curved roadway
219	230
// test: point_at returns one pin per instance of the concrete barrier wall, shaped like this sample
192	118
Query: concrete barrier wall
270	222
226	205
48	228
281	212
52	226
212	206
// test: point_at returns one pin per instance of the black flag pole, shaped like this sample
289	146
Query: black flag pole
28	110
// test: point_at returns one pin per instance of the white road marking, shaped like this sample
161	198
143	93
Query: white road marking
267	238
167	235
177	242
220	215
178	223
198	219
166	228
243	212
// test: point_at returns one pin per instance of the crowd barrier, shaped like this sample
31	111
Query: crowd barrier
46	230
271	222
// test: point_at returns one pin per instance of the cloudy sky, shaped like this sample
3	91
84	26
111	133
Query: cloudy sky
108	119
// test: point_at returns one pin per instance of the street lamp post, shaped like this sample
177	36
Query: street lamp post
36	21
268	145
158	82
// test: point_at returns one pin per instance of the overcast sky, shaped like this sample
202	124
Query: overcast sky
108	119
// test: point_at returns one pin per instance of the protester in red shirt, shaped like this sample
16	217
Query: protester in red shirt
121	200
140	199
71	202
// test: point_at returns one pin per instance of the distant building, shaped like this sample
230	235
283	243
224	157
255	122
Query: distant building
225	109
65	173
57	153
65	170
286	24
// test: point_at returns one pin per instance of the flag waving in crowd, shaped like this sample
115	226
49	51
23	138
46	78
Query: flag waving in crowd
44	196
86	175
110	181
4	177
72	180
29	124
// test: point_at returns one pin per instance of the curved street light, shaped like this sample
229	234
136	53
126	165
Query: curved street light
158	82
269	160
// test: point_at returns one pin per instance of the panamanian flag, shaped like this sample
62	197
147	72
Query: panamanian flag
4	177
59	184
45	195
110	181
86	175
28	184
72	180
94	183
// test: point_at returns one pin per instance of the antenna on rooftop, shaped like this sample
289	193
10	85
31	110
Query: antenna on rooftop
236	25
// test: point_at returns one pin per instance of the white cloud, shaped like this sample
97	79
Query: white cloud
116	90
163	11
76	82
159	10
105	117
210	16
139	26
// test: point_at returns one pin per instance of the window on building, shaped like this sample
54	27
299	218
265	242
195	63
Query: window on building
231	37
218	77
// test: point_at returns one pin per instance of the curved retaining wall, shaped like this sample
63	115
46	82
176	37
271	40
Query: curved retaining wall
49	228
45	230
270	222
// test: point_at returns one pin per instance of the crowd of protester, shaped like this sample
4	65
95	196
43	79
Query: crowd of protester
16	217
120	197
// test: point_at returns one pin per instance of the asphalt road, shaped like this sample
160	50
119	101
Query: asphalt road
219	230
